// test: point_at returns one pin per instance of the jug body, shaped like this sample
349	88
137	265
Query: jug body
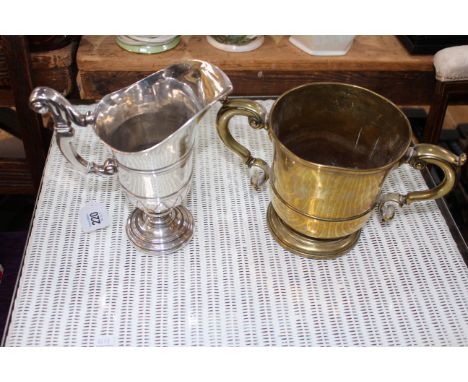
150	128
152	141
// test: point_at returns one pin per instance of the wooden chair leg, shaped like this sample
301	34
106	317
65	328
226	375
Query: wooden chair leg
435	118
28	121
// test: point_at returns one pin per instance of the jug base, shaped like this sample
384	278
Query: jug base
305	246
160	233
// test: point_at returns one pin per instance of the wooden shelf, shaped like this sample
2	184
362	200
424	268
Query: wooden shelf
52	68
380	63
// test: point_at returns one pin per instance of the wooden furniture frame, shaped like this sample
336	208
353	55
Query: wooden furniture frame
22	176
444	92
380	63
20	72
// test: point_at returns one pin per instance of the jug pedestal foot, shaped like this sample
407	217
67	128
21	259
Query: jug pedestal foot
305	246
160	233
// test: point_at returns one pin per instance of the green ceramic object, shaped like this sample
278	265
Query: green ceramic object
234	39
145	46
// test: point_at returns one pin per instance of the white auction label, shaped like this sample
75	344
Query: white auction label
107	340
93	216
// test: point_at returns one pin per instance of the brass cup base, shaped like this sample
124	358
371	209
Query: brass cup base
160	233
305	246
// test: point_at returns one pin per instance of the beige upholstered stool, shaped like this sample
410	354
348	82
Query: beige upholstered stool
451	66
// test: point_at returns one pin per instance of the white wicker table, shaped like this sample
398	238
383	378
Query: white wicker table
405	283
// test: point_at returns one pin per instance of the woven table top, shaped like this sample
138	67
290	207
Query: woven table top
405	283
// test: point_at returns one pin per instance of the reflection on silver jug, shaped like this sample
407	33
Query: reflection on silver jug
150	127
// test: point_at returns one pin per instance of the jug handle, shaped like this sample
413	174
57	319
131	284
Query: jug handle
418	157
256	114
45	100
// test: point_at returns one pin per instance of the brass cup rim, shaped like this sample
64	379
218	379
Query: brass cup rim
338	168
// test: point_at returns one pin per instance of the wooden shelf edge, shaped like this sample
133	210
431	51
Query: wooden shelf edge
393	85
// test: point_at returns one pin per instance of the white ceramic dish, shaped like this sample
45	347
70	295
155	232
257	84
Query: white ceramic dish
323	45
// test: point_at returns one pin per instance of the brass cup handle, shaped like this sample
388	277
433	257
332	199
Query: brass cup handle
256	115
418	157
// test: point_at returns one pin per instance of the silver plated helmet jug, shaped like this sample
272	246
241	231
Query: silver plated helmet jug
150	127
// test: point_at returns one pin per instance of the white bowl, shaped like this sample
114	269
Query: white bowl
323	45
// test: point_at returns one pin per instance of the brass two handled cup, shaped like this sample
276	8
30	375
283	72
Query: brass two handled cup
334	145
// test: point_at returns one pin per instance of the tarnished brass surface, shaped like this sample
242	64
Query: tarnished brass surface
321	201
418	156
256	115
334	145
321	249
448	163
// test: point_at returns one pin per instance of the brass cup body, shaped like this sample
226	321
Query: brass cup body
334	145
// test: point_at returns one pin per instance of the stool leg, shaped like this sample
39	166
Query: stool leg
435	118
